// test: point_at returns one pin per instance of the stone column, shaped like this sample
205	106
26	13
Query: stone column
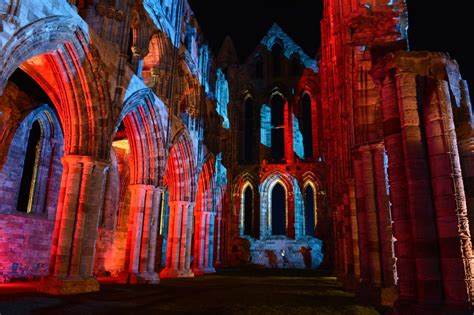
371	213
361	220
348	281
465	138
354	230
218	261
428	276
210	243
402	218
179	240
199	243
142	232
384	222
157	194
75	233
449	199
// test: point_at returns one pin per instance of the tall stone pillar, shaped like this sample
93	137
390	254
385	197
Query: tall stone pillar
75	231
199	243
449	199
179	240
402	218
465	138
209	263
354	230
371	214
218	248
349	280
361	221
429	282
204	244
142	234
388	293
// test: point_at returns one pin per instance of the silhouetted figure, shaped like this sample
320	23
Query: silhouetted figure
284	256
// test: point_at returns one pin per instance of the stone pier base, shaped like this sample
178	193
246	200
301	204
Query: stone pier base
68	285
141	278
174	273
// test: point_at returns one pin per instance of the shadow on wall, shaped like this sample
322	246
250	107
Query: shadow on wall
273	259
306	253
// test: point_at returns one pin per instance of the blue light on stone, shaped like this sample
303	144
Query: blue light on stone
276	34
298	146
222	97
266	126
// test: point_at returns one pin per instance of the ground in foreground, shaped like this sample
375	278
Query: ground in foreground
227	292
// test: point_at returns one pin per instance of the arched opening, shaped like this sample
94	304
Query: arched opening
259	68
276	57
248	130
130	47
295	66
278	206
30	169
307	127
278	130
309	210
248	210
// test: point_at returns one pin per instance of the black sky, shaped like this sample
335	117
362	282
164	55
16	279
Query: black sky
446	26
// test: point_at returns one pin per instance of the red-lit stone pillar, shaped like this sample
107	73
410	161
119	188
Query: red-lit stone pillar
388	293
348	280
218	234
75	232
428	276
465	138
371	214
209	263
179	240
204	244
354	233
402	218
290	224
449	199
142	233
361	220
199	242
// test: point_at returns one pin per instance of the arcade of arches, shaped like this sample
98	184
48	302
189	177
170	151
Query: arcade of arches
128	149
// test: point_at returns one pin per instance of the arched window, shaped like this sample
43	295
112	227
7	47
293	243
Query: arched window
248	130
130	46
307	127
278	130
259	68
278	210
295	66
248	210
309	210
276	57
30	169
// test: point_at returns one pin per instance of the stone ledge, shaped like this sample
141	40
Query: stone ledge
68	285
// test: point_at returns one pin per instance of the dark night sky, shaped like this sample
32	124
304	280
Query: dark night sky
434	25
